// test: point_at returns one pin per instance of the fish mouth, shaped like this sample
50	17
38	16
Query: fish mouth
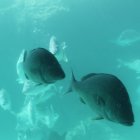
62	76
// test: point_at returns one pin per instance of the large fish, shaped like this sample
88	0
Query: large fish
41	66
106	95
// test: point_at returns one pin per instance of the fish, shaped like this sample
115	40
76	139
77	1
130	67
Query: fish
37	69
58	49
106	95
40	66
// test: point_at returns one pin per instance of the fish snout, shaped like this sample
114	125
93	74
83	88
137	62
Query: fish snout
127	119
59	75
126	116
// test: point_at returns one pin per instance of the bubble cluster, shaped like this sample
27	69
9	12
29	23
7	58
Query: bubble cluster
5	101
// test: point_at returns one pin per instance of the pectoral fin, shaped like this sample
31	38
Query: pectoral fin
101	101
81	99
98	118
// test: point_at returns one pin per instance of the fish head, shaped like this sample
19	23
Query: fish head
125	114
120	112
117	106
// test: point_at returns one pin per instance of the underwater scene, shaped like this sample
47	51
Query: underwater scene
69	70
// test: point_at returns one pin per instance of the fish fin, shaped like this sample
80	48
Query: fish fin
81	99
97	118
42	76
29	86
100	101
88	76
68	91
19	67
73	77
24	55
26	76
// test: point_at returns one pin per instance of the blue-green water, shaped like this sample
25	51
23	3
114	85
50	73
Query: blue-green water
101	36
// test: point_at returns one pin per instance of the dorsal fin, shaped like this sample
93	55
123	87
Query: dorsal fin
71	84
25	55
82	100
72	76
88	76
